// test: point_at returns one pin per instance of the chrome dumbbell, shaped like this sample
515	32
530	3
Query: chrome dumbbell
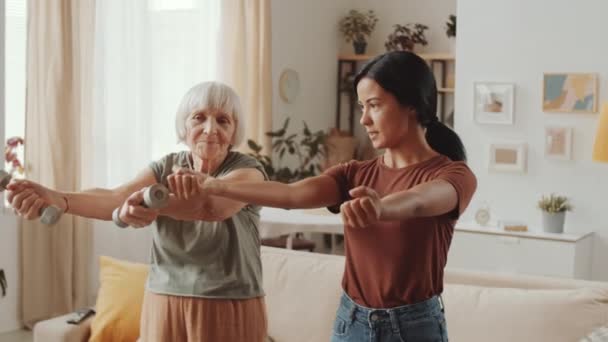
48	215
155	196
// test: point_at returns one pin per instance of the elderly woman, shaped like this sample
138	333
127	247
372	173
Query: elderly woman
205	281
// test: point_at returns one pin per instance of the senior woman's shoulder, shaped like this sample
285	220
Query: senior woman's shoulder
237	160
169	160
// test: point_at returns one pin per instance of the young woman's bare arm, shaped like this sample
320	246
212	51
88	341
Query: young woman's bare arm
433	198
313	192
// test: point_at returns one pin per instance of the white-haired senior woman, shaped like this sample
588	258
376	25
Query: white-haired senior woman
205	281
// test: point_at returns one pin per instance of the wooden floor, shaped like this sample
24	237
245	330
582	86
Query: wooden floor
17	336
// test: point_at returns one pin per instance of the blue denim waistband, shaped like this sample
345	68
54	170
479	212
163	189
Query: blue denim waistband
350	310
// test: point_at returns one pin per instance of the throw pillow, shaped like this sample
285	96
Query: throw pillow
119	300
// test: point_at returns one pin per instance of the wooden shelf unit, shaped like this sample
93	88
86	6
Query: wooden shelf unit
434	59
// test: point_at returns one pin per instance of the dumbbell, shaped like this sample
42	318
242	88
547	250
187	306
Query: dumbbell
48	215
155	196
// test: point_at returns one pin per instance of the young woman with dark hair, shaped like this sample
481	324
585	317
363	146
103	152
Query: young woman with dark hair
399	209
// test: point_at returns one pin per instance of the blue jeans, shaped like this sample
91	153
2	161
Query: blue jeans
419	322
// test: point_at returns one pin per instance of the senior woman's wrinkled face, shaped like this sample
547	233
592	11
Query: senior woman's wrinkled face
209	133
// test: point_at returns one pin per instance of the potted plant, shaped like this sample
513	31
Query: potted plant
405	37
2	283
554	209
450	30
308	148
356	27
450	26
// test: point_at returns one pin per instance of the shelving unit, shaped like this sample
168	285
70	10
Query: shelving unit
437	61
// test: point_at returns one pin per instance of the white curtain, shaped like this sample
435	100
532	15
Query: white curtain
54	261
148	53
246	62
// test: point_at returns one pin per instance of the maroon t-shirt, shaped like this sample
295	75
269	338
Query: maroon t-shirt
393	263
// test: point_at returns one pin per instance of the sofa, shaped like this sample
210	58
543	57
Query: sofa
303	289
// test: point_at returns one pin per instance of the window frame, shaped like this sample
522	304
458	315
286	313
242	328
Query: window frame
2	75
3	208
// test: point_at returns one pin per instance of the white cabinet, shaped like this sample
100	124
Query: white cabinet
535	253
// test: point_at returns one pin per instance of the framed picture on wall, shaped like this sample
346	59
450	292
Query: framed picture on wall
570	93
494	103
558	142
507	157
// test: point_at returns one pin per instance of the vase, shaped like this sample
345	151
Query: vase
554	222
359	47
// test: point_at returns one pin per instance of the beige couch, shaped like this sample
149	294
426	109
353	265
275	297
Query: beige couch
302	292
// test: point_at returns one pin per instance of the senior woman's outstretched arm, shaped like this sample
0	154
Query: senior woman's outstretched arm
27	197
188	203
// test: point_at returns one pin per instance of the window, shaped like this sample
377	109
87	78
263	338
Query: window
14	66
171	5
12	88
170	48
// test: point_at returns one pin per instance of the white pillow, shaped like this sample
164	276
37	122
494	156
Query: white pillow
504	314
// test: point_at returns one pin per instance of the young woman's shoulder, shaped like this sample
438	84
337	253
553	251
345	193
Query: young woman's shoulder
357	165
364	164
455	172
443	164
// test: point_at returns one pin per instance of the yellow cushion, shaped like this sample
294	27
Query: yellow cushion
119	300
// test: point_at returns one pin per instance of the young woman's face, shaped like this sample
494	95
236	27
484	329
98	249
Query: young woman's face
209	133
385	120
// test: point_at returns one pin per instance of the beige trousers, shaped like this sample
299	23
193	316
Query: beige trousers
166	318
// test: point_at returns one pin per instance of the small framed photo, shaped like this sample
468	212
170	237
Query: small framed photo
570	93
507	157
558	142
494	103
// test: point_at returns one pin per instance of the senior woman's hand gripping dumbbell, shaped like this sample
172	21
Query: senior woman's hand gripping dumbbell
48	215
155	197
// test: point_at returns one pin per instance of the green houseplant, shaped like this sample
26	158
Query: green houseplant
2	282
554	208
308	148
357	27
450	31
405	37
450	26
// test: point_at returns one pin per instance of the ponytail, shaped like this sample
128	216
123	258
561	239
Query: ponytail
444	140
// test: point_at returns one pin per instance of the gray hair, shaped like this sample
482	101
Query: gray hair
210	95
